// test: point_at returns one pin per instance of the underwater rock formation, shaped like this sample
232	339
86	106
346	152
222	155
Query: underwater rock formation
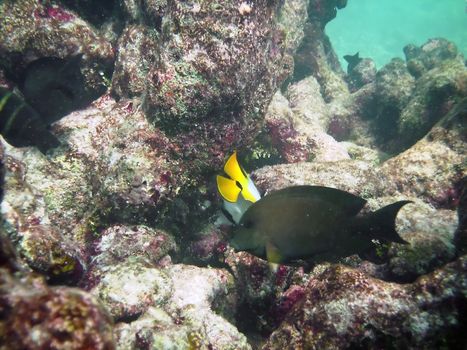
127	289
56	60
118	243
127	201
207	70
343	307
411	101
126	245
315	55
363	73
25	220
433	168
296	126
186	320
35	316
35	29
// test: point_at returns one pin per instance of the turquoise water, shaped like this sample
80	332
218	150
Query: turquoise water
381	28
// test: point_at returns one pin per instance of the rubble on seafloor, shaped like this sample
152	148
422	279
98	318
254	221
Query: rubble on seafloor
110	240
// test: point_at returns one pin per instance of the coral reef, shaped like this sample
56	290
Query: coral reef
342	307
363	73
128	289
53	63
186	320
206	85
120	219
35	316
34	29
413	96
296	126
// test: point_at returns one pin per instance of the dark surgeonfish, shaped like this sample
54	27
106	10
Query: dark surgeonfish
352	60
303	224
313	224
21	125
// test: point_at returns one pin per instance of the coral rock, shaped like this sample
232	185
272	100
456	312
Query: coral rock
187	319
35	316
128	289
196	73
363	73
343	308
33	29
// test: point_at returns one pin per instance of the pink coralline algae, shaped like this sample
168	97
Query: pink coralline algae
36	317
54	12
281	274
292	146
210	246
342	307
288	299
449	198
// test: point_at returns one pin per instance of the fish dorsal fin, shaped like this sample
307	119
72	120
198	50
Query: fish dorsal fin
233	169
347	202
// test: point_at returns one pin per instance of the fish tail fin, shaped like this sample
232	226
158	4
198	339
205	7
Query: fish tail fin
382	222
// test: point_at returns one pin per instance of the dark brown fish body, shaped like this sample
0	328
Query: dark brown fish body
21	125
312	223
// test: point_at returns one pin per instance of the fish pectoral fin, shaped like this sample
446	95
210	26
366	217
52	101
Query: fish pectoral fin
272	253
273	267
228	188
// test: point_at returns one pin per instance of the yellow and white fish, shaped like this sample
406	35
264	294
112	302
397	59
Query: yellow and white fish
237	189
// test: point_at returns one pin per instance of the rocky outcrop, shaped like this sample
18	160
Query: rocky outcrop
205	84
342	307
126	201
35	316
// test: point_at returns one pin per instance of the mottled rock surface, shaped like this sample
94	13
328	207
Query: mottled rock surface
296	126
127	201
205	84
35	29
25	219
187	320
343	307
35	316
413	96
119	243
129	288
435	165
363	73
315	55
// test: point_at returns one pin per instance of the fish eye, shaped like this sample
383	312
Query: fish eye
248	224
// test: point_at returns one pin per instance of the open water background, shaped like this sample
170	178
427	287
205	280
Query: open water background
379	29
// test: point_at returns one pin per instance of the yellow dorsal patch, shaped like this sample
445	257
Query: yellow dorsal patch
233	169
228	188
